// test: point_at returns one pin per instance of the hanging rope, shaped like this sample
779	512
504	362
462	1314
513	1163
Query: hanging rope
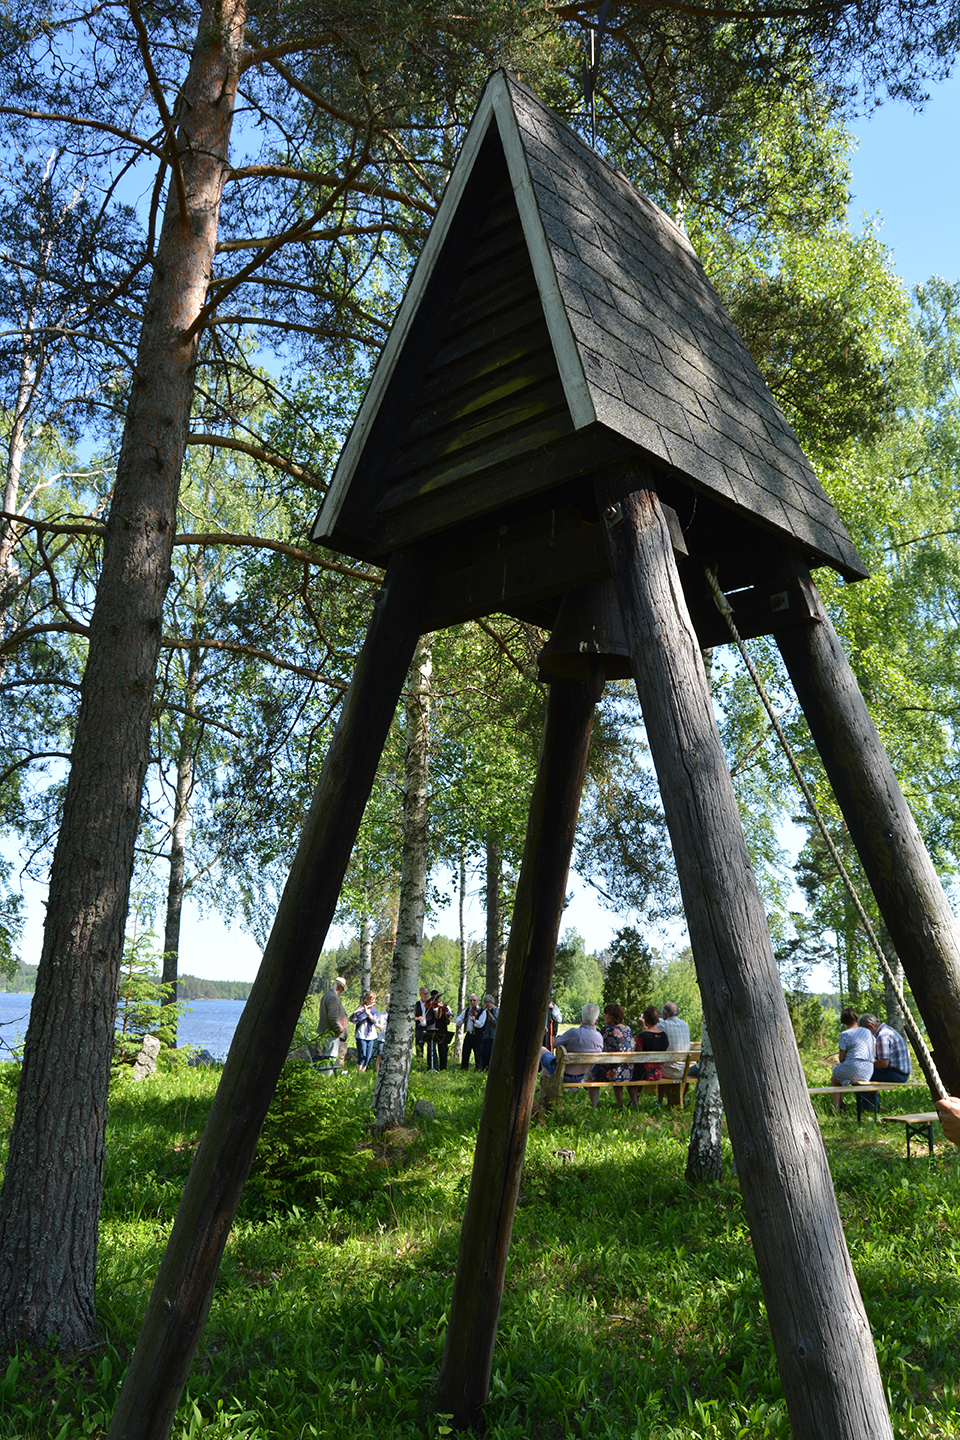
910	1025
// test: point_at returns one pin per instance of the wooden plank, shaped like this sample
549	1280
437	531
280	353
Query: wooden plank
482	492
452	423
523	572
758	611
471	1333
183	1291
908	892
430	480
825	1354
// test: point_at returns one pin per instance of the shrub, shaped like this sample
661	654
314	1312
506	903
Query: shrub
310	1148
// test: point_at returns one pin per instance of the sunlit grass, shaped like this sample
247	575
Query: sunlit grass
632	1307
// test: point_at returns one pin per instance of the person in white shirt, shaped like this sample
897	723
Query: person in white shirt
678	1033
468	1018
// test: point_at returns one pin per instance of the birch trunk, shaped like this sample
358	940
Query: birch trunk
51	1195
366	953
462	987
494	972
705	1153
393	1077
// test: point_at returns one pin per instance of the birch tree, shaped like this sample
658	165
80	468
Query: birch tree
390	1094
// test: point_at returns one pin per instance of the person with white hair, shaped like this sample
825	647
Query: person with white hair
584	1039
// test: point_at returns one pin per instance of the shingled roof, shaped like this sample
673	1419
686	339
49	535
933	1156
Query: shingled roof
637	354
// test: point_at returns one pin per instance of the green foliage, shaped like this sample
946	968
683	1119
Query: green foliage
628	980
328	1320
675	978
142	1005
577	978
310	1145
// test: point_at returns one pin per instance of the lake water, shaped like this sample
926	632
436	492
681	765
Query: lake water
207	1025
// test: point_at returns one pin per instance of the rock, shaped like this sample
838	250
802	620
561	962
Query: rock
423	1107
202	1057
565	1156
146	1061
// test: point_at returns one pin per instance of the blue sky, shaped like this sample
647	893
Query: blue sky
907	169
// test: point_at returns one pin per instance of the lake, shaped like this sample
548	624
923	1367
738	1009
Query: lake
208	1024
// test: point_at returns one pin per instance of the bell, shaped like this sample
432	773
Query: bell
588	641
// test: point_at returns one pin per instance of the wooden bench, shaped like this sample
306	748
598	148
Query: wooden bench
917	1126
552	1087
860	1088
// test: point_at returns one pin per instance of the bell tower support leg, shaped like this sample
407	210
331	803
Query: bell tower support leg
181	1297
906	887
824	1348
505	1121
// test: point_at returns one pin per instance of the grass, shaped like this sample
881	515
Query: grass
632	1307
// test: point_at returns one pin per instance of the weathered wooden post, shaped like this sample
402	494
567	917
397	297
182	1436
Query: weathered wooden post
181	1297
824	1348
917	914
501	1140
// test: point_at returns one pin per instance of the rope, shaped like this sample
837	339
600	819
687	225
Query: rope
910	1025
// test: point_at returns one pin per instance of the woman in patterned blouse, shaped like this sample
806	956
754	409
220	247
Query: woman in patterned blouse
615	1036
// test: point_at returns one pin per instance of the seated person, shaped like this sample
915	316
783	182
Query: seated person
891	1064
584	1040
615	1036
652	1037
856	1053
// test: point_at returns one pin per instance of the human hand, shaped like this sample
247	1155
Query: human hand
950	1118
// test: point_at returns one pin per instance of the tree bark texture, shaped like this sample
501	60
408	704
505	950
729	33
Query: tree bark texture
494	975
186	760
393	1077
505	1120
51	1196
907	889
822	1339
705	1152
366	953
181	1296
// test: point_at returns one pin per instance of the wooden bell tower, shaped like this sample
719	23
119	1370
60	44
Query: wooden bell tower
563	401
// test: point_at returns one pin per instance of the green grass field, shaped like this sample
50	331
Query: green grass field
632	1307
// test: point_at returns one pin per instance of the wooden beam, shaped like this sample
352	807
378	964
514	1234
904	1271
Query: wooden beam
181	1297
758	611
501	1140
824	1349
917	914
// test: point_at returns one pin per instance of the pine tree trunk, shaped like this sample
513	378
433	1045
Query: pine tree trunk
705	1154
393	1077
186	758
494	973
51	1195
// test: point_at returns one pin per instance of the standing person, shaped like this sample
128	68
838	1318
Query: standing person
364	1019
420	1020
487	1026
471	1040
553	1022
332	1025
444	1015
431	1018
891	1063
856	1054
